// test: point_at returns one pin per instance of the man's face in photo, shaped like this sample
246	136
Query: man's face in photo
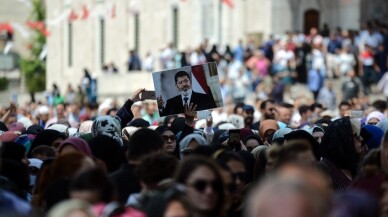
184	85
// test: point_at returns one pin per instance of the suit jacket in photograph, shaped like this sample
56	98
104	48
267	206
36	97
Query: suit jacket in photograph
175	104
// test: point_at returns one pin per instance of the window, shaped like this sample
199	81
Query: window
70	44
175	26
137	31
102	41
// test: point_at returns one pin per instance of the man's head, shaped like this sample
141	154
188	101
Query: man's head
284	113
305	112
183	82
268	109
344	109
248	114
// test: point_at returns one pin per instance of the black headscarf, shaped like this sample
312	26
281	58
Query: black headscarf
338	145
13	151
108	150
46	137
177	125
3	127
302	134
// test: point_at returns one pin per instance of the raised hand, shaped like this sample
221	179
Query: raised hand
160	102
190	113
136	96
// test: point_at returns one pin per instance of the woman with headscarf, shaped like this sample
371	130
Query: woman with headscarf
74	145
169	138
107	126
374	117
48	137
341	149
189	143
267	128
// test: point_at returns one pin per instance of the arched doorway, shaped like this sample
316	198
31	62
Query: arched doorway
311	19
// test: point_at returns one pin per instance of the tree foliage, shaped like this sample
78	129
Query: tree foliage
32	67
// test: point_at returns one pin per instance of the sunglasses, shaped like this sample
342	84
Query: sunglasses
166	138
241	176
201	185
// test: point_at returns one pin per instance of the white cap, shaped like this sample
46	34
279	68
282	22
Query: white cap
43	110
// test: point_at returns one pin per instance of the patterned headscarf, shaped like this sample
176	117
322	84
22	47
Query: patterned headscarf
107	126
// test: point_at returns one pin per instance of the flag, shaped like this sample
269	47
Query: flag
73	16
113	11
85	12
229	3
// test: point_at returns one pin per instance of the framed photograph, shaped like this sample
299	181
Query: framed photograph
198	85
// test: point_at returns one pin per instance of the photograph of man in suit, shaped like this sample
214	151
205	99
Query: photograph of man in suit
175	105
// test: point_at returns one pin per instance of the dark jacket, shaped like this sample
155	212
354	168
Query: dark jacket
175	104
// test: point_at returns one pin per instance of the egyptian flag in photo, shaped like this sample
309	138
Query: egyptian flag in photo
199	80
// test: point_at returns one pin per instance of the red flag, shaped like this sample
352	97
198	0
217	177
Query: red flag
73	16
113	12
229	3
38	25
85	12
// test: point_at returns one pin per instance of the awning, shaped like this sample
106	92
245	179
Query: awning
6	27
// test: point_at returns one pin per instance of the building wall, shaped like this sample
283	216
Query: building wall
197	19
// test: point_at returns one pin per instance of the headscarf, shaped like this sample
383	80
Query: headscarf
138	122
46	137
86	127
376	135
79	144
13	151
59	127
16	127
25	121
253	136
376	114
8	136
177	125
268	125
34	129
108	150
281	132
305	136
338	145
3	127
108	126
184	144
162	129
383	124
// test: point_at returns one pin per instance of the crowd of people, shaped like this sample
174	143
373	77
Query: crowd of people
305	156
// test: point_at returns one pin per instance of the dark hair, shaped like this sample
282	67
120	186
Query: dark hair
286	105
238	105
380	105
190	164
44	150
13	151
66	166
156	167
316	105
168	118
263	105
344	103
181	74
143	142
227	156
95	180
303	109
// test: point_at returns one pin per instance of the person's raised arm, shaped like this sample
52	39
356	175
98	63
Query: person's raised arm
11	110
125	114
189	120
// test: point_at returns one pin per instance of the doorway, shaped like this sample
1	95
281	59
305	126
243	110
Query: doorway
311	19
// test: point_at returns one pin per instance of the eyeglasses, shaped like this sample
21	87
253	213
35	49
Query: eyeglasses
201	185
166	138
241	176
186	81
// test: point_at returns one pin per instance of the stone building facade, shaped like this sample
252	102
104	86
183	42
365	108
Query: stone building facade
113	27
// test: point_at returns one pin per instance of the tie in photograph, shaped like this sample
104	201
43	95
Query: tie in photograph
185	99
